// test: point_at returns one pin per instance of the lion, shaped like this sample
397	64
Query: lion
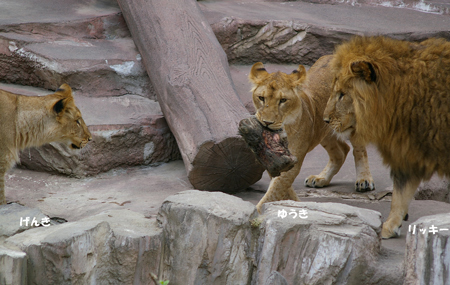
28	121
296	103
400	94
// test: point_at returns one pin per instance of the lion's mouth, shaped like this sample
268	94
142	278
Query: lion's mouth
74	146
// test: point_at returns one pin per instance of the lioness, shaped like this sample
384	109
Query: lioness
296	102
401	103
27	121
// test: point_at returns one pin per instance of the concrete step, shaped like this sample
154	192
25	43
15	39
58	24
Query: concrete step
83	43
127	130
301	32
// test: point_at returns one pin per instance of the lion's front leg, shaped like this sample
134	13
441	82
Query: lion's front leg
364	180
403	193
280	188
337	151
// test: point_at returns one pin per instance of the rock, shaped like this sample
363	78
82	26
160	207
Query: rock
330	244
15	218
428	251
276	278
115	246
92	51
13	267
208	238
436	188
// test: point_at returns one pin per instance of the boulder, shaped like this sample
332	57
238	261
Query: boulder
15	218
317	243
428	251
208	238
99	249
13	266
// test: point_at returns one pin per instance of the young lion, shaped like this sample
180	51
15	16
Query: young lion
296	102
27	121
401	101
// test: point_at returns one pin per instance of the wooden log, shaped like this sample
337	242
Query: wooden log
190	73
270	147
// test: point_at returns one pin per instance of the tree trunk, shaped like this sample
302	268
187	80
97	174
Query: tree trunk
190	73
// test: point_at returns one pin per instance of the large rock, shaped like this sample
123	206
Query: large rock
428	251
83	43
208	238
116	247
15	218
317	243
13	266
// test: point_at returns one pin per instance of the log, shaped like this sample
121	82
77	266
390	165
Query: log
271	147
189	71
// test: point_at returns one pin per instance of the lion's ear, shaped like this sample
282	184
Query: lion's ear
59	106
299	75
64	90
257	72
364	70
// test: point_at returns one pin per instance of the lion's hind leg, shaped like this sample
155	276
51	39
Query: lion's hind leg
402	195
364	179
337	151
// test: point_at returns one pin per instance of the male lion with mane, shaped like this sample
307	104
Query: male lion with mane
296	103
27	121
401	100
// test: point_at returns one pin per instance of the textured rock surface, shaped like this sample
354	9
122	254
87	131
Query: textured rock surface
115	247
428	251
85	44
436	189
13	266
13	219
208	238
330	244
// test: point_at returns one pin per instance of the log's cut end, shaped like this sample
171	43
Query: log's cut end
227	166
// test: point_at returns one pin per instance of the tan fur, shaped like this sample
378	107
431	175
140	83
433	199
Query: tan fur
401	101
27	121
296	102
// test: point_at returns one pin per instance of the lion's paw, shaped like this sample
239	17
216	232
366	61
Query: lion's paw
316	181
391	229
364	185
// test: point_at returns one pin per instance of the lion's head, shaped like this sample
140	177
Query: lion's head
276	95
340	114
69	126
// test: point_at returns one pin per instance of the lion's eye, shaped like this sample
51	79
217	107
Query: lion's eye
283	100
78	122
341	94
261	98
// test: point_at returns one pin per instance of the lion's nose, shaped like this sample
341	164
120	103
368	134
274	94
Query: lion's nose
268	123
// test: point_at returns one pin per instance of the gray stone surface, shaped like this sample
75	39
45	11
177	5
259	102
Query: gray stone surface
208	238
437	188
301	32
428	251
115	247
13	266
331	244
15	218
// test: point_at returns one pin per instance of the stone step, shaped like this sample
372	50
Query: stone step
85	44
301	32
127	130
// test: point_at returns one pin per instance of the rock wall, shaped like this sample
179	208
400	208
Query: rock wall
210	238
